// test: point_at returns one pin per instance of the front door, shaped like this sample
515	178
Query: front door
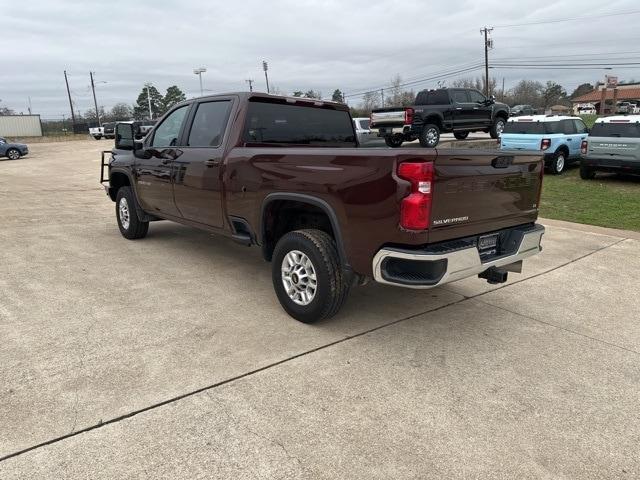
197	171
481	110
463	109
153	165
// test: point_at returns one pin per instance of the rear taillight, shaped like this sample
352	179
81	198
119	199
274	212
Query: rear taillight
415	210
583	147
545	143
408	116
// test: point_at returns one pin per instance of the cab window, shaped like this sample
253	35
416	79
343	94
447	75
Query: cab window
476	97
168	132
209	124
460	96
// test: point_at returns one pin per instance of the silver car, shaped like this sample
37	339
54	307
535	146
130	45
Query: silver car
12	150
613	145
366	136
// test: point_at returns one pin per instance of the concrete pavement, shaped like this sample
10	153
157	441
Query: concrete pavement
170	357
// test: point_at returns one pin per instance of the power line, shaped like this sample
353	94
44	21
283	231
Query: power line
583	17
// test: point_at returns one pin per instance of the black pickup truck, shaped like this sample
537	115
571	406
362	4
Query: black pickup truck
446	110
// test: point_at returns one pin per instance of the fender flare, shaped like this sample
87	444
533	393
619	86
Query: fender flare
140	213
311	200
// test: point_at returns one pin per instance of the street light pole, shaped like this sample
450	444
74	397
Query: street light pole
265	67
199	72
149	102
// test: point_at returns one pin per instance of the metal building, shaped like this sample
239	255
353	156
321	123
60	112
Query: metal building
20	126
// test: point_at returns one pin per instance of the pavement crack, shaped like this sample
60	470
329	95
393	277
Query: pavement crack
104	423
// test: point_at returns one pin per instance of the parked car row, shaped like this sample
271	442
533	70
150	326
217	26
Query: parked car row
612	145
107	130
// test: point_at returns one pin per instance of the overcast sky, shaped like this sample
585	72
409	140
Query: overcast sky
320	45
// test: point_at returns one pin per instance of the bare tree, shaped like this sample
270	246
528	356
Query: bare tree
370	100
477	83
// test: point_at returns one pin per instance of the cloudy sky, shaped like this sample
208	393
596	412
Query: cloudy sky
320	45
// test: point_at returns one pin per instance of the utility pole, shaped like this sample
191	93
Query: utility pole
250	82
199	72
149	102
382	95
265	67
488	43
95	102
502	99
73	115
29	105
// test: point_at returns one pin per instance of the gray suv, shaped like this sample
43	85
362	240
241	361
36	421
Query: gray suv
613	145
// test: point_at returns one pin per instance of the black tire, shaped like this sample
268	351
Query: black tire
558	163
394	141
461	135
429	136
498	126
13	154
332	286
128	223
97	137
587	173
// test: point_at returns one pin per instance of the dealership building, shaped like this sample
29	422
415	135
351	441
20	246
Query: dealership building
625	92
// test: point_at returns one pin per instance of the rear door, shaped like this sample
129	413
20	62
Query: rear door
571	138
197	172
463	109
153	168
581	133
475	194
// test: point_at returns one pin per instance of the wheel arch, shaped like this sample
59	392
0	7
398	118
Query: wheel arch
299	198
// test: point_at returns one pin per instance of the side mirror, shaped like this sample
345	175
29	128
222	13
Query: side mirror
125	139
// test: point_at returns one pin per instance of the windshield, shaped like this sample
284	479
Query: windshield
628	130
2	140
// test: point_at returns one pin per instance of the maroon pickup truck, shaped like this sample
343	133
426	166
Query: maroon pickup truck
286	174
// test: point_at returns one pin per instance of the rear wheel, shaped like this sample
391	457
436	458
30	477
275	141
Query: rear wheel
13	154
558	162
307	275
587	173
429	136
497	128
394	141
461	135
128	223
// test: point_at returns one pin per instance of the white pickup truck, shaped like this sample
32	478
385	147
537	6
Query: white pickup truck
97	132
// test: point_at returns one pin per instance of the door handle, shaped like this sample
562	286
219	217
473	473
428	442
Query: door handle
212	162
166	161
569	139
458	108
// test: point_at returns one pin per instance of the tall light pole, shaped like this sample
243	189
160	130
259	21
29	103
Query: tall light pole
199	72
265	67
149	102
250	82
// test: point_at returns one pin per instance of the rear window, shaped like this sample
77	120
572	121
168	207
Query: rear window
532	128
433	97
364	124
279	123
628	130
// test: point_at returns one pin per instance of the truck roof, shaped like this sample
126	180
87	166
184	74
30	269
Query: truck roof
619	119
542	118
246	96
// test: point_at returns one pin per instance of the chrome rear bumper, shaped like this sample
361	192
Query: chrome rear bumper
438	268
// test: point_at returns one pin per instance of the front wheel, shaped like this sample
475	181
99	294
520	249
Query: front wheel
130	226
429	136
587	173
497	128
460	135
13	154
394	141
558	162
307	275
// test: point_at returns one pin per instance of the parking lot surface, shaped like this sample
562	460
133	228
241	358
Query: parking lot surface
169	357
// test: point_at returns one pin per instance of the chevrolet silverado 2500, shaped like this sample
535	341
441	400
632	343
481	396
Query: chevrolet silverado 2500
286	174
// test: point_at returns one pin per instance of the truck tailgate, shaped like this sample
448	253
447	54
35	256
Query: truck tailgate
481	191
388	117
